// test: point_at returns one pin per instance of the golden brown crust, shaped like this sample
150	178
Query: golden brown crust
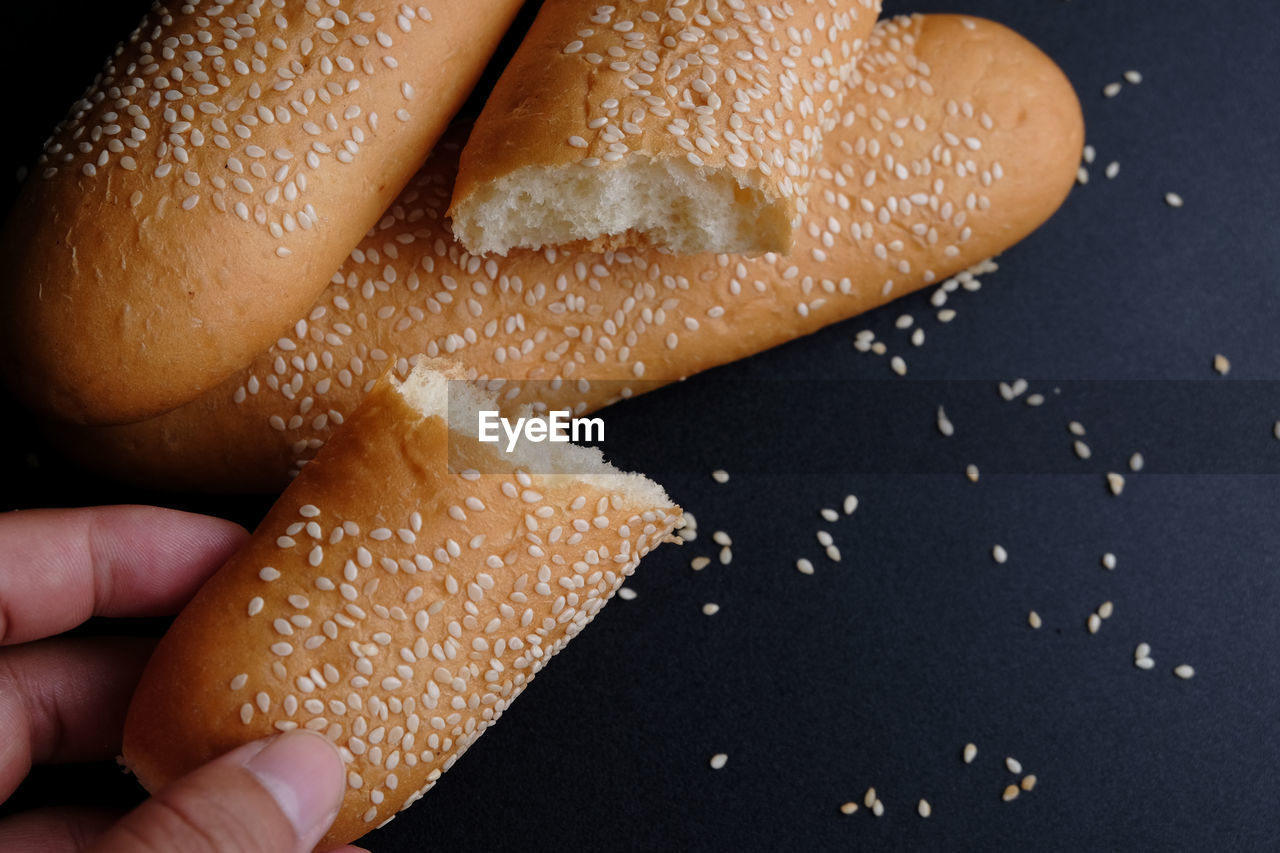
743	93
391	604
645	319
195	201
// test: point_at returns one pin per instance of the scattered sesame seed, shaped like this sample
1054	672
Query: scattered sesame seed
1028	782
869	799
923	808
1094	623
904	321
1136	462
1105	609
878	809
710	608
851	502
849	807
720	475
1014	765
1010	793
1115	482
1134	77
1113	169
999	554
1144	663
944	424
970	753
1082	450
899	366
1082	176
1184	671
1089	154
1111	90
726	555
1222	364
1143	650
946	315
1109	561
824	538
699	563
1275	430
829	514
1033	619
804	566
1075	428
1173	199
972	473
627	593
833	553
721	538
718	760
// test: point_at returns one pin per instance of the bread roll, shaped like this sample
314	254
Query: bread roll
693	126
199	195
958	139
397	598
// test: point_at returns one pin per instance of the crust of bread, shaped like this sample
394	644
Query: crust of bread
196	199
640	320
694	125
392	602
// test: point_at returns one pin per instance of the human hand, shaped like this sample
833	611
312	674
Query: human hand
64	698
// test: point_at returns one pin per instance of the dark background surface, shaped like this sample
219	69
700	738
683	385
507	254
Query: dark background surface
877	670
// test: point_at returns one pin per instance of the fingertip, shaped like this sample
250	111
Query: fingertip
304	774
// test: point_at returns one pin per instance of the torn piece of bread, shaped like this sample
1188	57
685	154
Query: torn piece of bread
689	126
979	149
394	600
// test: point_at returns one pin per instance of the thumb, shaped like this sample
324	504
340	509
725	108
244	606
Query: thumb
274	795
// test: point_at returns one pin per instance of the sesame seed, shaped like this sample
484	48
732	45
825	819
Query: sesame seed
829	514
726	556
1143	650
1115	482
851	502
1136	462
804	566
699	563
1010	793
824	538
721	538
1075	428
1109	561
1221	364
971	472
1013	765
1173	199
999	554
1134	77
1094	623
1113	169
923	808
1082	450
1184	671
833	553
627	593
1033	619
720	475
1028	782
869	799
710	609
899	366
944	424
1105	609
1144	663
877	808
1089	154
1111	90
970	753
1035	400
719	760
848	808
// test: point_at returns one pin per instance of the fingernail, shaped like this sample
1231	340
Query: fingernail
302	772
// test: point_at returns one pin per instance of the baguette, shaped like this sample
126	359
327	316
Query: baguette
977	146
394	603
693	127
198	196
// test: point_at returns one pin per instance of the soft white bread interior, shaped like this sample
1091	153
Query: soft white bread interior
958	138
690	126
401	593
199	195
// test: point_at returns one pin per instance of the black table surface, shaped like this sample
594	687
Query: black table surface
876	670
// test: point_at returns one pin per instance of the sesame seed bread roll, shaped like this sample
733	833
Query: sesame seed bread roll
395	598
196	199
976	146
691	125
